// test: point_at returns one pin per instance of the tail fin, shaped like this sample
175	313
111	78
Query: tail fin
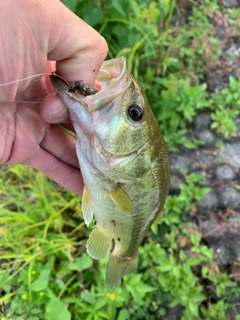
118	267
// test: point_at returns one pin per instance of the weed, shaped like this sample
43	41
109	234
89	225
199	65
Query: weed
171	46
46	275
170	52
226	107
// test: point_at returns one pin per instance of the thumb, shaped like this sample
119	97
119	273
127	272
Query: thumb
78	49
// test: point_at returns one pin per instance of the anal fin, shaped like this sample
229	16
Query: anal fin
99	244
118	267
87	206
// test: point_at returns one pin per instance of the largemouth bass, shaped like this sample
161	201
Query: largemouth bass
123	161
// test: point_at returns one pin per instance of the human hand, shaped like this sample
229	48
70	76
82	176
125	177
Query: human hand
33	35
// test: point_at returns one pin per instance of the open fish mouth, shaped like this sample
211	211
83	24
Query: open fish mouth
111	72
112	80
82	101
58	82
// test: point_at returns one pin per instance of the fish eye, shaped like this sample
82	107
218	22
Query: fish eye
135	112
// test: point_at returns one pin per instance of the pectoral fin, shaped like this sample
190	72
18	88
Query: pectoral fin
99	244
121	200
87	206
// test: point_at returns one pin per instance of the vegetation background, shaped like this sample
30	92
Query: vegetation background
173	48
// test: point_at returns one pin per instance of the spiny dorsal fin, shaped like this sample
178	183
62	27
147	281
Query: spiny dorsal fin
121	200
99	244
87	206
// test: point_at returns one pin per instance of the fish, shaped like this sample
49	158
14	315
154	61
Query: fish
123	161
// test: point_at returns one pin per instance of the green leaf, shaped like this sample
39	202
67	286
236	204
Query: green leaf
60	283
154	228
63	269
182	255
144	288
198	297
82	263
195	239
123	314
165	267
120	30
101	301
120	7
135	7
35	311
134	279
41	282
188	144
174	302
176	272
88	297
207	252
92	15
103	315
57	310
193	308
71	4
204	271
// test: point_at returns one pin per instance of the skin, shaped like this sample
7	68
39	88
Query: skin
40	36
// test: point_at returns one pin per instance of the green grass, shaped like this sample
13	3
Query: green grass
172	52
45	272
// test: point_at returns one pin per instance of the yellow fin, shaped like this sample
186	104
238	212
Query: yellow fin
121	200
118	267
87	206
99	244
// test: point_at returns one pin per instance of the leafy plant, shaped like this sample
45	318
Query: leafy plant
226	107
45	274
178	105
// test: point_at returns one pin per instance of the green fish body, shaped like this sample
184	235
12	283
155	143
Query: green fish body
124	165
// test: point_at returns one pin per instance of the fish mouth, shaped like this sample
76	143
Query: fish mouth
58	82
111	71
112	80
